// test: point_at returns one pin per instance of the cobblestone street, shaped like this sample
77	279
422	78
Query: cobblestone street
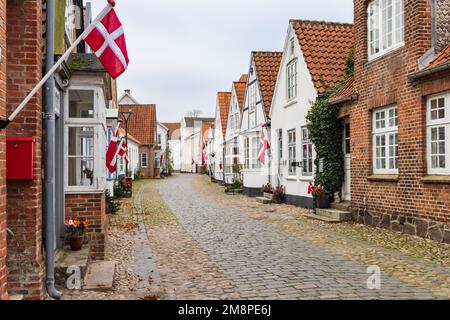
192	241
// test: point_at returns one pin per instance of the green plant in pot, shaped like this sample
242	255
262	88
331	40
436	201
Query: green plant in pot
75	229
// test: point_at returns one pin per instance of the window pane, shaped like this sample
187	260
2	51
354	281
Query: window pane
81	104
81	141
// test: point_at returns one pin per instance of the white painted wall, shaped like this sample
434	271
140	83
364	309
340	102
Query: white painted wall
251	125
162	132
218	145
175	150
287	115
133	165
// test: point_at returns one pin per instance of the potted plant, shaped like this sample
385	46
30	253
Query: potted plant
267	190
88	177
320	196
75	229
278	194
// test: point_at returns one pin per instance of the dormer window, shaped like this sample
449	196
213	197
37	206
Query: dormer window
385	26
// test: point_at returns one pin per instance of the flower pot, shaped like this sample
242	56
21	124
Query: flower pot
278	198
76	243
323	201
268	196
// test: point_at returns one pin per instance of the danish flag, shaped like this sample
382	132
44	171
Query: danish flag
107	40
111	154
264	145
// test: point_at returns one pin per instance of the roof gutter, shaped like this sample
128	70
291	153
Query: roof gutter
427	72
350	98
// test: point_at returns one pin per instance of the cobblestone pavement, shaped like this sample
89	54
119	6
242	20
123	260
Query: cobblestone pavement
262	257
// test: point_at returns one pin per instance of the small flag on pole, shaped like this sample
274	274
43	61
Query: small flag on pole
264	145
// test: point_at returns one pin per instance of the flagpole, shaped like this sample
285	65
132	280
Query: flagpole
5	123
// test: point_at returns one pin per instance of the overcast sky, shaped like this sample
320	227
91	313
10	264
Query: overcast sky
183	51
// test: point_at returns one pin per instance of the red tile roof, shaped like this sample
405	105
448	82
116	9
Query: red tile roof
240	87
206	126
442	58
130	137
174	130
223	100
325	45
142	124
347	91
267	67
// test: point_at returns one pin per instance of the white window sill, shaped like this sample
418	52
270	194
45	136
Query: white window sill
86	191
382	54
308	178
291	178
291	103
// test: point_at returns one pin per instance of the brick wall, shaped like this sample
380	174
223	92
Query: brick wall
91	207
148	172
24	205
405	204
3	276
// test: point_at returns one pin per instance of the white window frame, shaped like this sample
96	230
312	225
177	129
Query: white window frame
291	78
252	98
384	125
70	17
438	123
309	155
142	160
376	26
98	122
292	151
247	152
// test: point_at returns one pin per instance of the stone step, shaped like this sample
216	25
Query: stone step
73	259
100	276
321	218
343	206
335	214
16	297
263	200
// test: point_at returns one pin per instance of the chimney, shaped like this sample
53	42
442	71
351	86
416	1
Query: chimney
127	91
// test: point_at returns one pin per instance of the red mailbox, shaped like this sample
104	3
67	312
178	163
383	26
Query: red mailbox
20	158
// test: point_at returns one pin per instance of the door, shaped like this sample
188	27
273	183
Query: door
346	188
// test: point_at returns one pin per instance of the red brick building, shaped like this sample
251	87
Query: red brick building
142	125
398	108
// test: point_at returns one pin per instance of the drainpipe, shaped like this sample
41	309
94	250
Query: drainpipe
50	156
434	26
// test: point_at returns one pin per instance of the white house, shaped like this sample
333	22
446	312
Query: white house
127	98
313	61
162	143
262	77
220	128
192	134
174	144
233	128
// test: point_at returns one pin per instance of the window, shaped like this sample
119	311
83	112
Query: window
292	149
81	104
81	156
385	26
247	152
70	20
438	135
232	122
307	151
292	47
159	139
292	80
144	160
385	140
252	97
255	152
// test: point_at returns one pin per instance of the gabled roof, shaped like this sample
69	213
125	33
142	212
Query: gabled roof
130	137
174	130
127	94
223	102
142	124
325	46
346	94
267	67
240	87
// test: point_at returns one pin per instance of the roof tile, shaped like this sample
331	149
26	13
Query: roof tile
142	124
174	130
442	58
223	100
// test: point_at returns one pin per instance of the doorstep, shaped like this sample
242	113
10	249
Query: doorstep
100	276
75	259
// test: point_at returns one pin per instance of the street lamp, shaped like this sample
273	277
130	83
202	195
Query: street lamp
126	116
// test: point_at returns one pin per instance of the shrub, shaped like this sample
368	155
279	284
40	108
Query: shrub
112	204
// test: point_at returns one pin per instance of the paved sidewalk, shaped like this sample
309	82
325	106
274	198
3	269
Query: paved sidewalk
264	261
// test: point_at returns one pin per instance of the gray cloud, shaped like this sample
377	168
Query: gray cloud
183	51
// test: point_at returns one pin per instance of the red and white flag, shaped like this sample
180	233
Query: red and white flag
264	145
107	40
112	152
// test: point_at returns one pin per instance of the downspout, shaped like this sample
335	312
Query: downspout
434	26
50	156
